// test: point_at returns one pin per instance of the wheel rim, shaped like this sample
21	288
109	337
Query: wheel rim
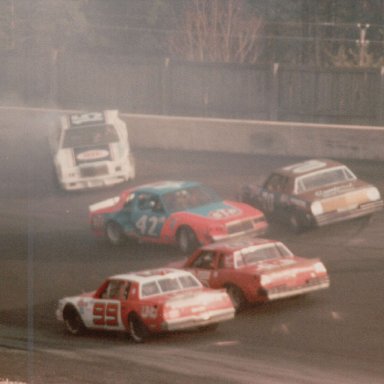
74	324
137	330
184	240
113	233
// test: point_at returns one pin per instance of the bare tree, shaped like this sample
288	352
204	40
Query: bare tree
218	30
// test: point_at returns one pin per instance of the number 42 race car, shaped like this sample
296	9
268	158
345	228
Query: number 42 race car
145	303
182	213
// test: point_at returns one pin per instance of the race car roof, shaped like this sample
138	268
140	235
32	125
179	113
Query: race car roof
237	244
162	187
306	167
149	275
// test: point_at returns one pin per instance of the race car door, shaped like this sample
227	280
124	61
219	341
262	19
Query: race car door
204	267
273	197
148	216
106	308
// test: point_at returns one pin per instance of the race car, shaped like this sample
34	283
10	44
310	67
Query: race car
313	193
91	150
255	270
145	303
183	213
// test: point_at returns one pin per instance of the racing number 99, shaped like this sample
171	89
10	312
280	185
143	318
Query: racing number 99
105	314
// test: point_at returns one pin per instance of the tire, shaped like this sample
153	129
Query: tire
73	322
237	297
137	329
186	240
114	233
295	223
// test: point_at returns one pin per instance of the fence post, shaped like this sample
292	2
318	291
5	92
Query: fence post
380	114
165	86
274	93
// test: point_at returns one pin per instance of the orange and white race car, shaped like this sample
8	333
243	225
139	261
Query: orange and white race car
313	193
145	303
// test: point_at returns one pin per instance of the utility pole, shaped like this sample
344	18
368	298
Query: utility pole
362	43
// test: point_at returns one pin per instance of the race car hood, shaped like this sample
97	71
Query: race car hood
108	205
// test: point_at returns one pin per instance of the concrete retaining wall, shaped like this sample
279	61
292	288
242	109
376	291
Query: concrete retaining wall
257	137
234	136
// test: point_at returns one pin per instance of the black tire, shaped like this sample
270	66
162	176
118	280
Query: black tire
237	297
295	223
73	322
137	329
115	234
186	240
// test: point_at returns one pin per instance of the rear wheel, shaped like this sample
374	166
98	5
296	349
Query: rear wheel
237	297
115	233
137	329
73	322
186	240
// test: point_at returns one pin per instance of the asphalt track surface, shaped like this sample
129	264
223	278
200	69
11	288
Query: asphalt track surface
47	252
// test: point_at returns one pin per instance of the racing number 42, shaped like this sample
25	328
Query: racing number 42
106	314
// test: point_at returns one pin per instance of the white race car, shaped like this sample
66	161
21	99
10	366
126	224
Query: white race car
91	150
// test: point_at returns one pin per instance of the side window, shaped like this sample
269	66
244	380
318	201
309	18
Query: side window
112	290
204	260
148	201
126	290
276	183
225	261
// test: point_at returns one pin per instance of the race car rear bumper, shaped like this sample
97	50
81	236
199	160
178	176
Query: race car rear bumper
199	320
348	214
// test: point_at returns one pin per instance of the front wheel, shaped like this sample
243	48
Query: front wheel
114	233
186	240
73	322
137	329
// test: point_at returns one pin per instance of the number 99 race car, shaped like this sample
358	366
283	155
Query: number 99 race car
145	303
183	213
313	193
91	150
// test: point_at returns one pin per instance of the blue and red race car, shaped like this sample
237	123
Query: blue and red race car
183	213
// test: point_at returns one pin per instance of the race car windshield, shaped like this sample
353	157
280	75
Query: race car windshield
90	136
267	252
324	178
166	285
189	198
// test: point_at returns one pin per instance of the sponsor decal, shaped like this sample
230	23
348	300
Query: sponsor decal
223	213
93	154
334	191
84	155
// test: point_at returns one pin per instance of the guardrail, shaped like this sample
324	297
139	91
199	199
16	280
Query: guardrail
237	136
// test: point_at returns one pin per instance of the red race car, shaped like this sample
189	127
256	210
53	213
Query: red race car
147	302
255	270
182	213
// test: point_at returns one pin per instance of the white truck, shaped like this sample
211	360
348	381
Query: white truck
91	150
